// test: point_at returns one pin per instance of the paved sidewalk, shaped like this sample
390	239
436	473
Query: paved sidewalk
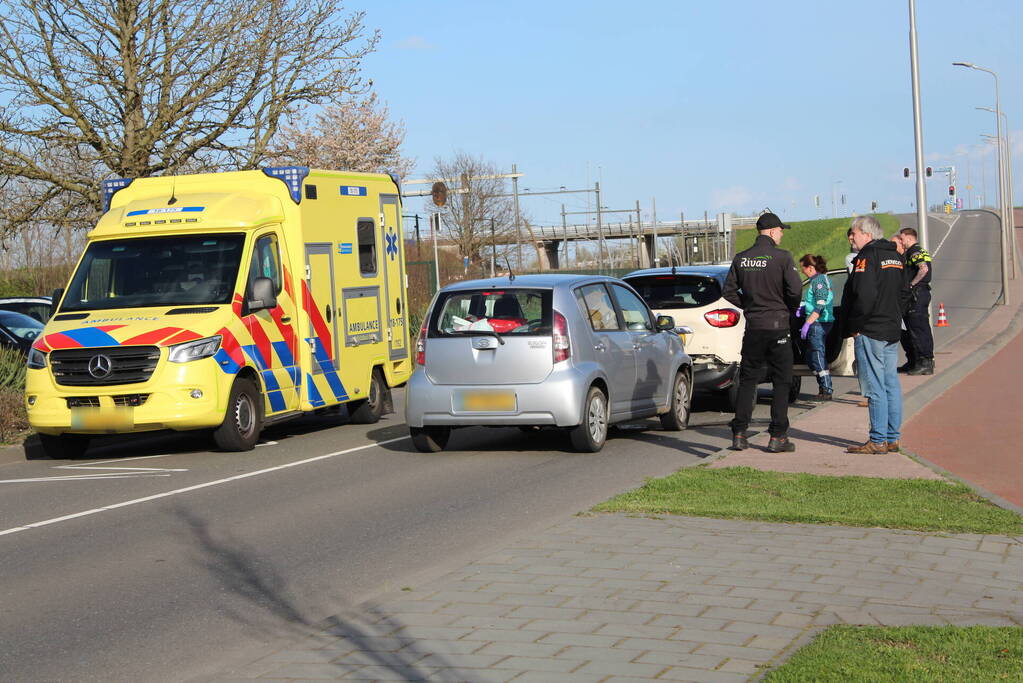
618	599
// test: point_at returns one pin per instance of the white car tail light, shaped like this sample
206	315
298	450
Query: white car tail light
421	345
722	317
561	346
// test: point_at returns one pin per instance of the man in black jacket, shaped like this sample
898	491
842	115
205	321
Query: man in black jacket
764	283
872	307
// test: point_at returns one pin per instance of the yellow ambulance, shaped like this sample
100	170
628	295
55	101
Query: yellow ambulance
227	301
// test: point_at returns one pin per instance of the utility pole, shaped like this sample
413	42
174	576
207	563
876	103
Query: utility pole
918	133
564	230
655	262
600	229
518	225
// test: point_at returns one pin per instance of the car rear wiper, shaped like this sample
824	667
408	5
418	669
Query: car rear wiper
473	333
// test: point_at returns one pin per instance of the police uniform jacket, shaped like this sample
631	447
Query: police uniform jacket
763	282
915	256
874	296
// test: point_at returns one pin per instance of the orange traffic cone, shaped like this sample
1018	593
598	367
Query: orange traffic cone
942	318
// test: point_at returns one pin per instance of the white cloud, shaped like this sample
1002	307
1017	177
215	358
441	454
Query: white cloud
415	43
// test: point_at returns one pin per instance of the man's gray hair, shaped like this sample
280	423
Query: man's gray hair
868	225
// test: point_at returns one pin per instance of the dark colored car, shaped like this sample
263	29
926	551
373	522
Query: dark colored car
18	330
37	307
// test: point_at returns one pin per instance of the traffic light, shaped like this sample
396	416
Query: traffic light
873	206
951	190
928	172
905	173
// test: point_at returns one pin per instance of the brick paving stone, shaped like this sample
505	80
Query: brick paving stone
752	654
741	666
495	635
548	664
634	669
717	637
545	677
678	673
579	639
624	617
599	654
521	649
676	621
656	645
688	659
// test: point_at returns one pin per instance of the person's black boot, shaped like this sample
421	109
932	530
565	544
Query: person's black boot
907	366
780	444
739	442
925	366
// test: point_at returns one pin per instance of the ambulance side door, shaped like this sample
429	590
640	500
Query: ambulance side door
272	347
394	277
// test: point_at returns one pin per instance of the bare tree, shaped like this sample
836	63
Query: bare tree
476	218
355	135
91	89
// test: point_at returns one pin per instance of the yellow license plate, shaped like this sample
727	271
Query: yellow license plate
95	419
487	401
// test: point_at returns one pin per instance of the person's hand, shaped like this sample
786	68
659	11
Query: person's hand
799	311
804	331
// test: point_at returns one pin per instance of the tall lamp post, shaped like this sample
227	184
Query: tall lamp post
918	130
1010	202
1001	182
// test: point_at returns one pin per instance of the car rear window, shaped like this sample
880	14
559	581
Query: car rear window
676	291
511	311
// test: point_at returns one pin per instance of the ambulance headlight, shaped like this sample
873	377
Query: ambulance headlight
36	359
194	350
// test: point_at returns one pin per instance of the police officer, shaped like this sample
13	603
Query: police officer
764	283
917	340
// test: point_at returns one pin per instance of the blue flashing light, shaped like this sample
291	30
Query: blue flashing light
110	187
292	177
397	182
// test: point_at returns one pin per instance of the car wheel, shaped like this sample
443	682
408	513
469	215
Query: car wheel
796	388
368	410
243	421
430	439
677	417
64	446
590	435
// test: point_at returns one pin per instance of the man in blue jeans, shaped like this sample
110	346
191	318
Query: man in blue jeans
872	306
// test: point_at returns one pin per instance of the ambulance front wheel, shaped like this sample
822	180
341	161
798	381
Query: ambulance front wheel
240	429
368	410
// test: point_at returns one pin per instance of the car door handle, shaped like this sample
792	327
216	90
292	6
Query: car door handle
328	311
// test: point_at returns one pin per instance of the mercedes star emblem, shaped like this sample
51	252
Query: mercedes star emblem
100	366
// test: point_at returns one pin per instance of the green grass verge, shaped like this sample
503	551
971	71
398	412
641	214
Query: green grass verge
746	493
826	237
922	654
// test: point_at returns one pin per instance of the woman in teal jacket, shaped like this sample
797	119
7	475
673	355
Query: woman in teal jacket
817	307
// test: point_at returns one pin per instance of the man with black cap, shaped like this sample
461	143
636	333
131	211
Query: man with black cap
764	283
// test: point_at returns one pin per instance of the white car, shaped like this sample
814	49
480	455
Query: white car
692	296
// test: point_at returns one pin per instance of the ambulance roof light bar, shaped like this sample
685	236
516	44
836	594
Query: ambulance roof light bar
110	187
292	176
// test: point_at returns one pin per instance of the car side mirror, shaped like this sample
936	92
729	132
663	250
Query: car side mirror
262	295
55	299
665	323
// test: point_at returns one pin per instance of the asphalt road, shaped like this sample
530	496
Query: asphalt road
155	559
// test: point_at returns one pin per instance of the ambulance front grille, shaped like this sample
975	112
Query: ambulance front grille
127	365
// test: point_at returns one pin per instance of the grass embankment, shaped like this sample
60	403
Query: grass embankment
923	654
826	237
745	493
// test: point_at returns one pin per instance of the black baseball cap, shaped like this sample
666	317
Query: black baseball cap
770	220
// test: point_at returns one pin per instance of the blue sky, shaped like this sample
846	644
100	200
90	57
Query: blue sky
703	106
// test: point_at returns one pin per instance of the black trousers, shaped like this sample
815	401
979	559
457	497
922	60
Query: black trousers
764	350
917	340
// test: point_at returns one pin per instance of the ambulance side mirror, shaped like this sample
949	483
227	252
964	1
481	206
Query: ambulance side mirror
55	299
262	295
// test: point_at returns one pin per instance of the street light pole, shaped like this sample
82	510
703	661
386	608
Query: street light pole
1001	182
1013	252
918	131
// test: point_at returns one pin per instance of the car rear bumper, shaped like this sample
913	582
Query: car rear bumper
712	375
555	401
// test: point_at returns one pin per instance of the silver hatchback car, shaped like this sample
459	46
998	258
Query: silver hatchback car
579	352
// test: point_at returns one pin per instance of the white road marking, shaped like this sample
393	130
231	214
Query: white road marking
266	443
106	472
949	232
196	487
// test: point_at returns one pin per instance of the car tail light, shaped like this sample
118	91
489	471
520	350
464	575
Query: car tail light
421	345
562	348
722	317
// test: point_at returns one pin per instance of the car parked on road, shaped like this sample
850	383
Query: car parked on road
37	307
579	352
18	331
692	296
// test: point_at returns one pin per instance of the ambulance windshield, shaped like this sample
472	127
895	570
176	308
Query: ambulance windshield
183	270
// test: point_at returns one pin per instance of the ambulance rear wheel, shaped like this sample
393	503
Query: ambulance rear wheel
430	439
64	446
240	429
368	410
